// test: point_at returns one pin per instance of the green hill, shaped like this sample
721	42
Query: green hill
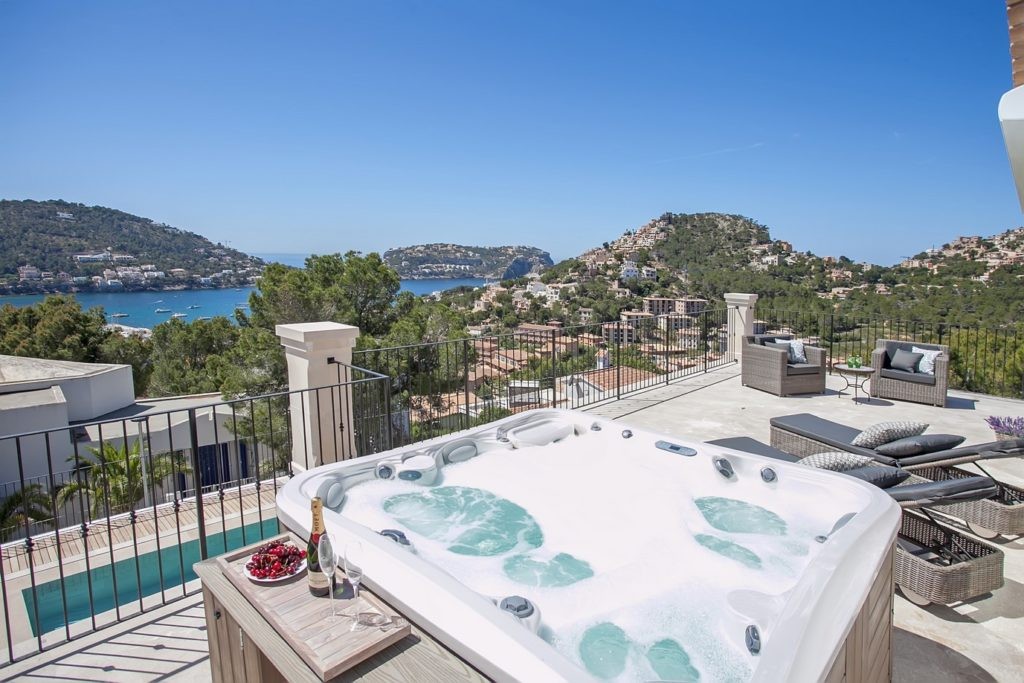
47	235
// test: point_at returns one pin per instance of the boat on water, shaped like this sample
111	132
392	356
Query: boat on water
162	310
204	317
179	315
194	306
118	315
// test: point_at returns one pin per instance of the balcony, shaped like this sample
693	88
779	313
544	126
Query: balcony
691	391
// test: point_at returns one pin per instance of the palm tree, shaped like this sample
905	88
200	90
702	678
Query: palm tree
112	480
28	503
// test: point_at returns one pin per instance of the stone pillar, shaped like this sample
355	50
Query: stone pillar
320	404
741	320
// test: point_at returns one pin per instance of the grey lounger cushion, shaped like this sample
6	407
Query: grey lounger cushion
825	431
748	445
945	492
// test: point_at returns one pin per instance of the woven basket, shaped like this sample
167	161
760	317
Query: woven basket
946	584
1004	513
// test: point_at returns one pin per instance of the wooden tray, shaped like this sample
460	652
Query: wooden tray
328	649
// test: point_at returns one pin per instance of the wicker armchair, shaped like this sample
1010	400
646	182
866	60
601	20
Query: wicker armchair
768	368
888	382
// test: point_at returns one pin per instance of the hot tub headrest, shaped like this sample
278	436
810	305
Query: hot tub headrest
459	451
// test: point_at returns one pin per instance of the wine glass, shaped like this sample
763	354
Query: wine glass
354	565
328	565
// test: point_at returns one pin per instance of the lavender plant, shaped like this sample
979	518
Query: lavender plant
1013	426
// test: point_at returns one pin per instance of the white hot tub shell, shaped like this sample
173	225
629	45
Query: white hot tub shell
804	638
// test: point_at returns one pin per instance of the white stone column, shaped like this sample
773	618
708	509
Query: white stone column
320	405
741	320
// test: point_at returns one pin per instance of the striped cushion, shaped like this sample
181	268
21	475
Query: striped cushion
837	461
884	432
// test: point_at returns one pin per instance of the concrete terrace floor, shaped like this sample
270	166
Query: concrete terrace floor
981	640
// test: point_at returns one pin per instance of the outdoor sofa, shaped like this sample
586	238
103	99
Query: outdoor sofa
768	367
920	384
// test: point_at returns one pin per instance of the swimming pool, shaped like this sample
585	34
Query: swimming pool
640	557
158	571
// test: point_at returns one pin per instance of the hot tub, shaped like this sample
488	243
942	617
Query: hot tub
627	555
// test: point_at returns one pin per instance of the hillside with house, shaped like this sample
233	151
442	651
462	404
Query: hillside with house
680	257
55	246
429	261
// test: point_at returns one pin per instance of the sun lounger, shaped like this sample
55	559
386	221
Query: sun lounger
933	562
805	434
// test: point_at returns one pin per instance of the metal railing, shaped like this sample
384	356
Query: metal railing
103	521
983	360
446	386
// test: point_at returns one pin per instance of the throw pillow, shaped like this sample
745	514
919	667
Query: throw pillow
905	360
796	352
837	461
886	432
882	476
916	445
927	364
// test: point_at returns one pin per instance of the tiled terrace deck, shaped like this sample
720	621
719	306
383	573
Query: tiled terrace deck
982	640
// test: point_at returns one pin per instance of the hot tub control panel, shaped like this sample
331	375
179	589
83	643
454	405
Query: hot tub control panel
676	448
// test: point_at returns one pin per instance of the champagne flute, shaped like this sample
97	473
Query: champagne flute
354	565
328	565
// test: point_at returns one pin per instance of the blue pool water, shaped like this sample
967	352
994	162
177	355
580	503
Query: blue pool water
76	586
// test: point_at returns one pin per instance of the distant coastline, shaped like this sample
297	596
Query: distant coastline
139	308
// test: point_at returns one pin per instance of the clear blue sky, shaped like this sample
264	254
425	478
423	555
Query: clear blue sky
867	129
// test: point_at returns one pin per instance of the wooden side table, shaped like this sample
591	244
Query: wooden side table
269	633
856	378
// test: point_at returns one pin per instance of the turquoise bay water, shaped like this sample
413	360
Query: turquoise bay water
76	586
141	306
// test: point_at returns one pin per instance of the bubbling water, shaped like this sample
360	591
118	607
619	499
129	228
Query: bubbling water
631	571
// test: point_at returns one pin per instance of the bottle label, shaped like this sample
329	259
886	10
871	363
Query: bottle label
318	580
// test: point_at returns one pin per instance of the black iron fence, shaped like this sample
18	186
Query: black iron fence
983	360
103	520
442	387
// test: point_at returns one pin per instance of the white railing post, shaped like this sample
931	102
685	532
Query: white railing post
741	320
321	421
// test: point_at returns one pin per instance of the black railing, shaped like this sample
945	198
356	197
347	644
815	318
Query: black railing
983	360
442	387
103	520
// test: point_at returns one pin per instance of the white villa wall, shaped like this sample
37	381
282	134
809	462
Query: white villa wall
37	410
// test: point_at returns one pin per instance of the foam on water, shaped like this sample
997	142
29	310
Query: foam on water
596	530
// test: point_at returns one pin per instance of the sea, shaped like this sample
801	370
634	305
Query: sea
148	309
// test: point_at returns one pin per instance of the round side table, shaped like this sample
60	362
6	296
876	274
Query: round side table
856	378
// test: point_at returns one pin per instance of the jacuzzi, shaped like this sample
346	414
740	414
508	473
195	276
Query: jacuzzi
627	555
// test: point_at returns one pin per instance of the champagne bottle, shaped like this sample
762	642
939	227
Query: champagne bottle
319	584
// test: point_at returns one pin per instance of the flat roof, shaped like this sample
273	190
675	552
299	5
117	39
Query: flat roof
19	369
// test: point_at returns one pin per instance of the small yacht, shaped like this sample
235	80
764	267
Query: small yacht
162	310
179	315
195	306
118	315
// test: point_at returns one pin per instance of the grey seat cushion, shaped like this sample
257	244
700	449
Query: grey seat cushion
915	377
803	369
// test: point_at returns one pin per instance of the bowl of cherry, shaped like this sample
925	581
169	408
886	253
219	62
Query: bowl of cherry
275	561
